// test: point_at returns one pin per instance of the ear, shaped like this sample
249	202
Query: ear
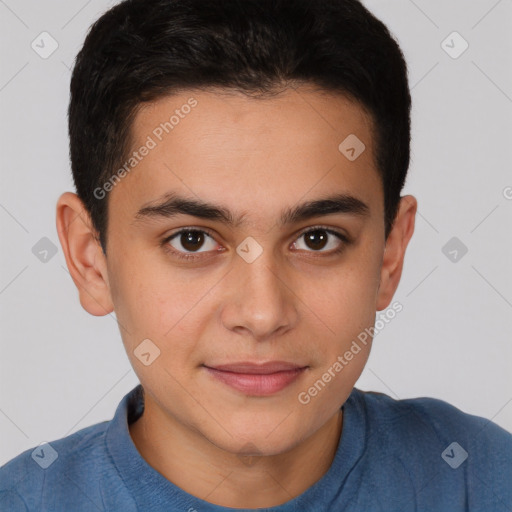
84	256
394	252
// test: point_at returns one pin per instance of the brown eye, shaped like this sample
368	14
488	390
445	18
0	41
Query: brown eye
317	239
190	240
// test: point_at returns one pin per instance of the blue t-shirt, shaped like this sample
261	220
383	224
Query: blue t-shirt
419	454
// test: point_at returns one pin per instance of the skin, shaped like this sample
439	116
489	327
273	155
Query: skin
294	303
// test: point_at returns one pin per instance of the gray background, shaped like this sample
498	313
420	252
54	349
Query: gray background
62	369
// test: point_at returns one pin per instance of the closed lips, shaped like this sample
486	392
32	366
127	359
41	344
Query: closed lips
257	369
257	379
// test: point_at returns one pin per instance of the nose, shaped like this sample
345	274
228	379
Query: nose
262	304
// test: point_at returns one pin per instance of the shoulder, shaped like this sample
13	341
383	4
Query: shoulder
431	416
54	465
439	448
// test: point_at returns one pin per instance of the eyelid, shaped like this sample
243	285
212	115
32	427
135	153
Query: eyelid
191	228
328	229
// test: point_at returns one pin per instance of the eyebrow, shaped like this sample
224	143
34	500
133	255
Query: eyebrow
173	204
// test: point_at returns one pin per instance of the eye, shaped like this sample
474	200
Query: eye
319	237
188	241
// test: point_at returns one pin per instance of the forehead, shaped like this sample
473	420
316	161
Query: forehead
258	154
217	113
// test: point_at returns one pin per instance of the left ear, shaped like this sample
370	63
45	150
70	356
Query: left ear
394	252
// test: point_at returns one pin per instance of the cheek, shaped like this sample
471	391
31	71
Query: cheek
140	299
346	305
346	301
153	303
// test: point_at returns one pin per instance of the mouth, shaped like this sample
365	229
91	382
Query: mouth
255	379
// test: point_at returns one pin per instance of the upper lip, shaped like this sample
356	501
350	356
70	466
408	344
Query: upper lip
257	368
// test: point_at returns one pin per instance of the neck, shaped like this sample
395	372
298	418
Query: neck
197	466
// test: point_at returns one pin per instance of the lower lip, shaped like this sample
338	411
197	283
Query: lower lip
257	384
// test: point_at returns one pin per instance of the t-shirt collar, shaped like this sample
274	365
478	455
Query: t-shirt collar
154	493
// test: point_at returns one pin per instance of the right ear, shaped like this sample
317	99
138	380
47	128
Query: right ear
84	256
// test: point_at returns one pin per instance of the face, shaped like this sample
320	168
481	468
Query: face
248	290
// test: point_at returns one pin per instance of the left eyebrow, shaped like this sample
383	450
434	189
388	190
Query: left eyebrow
172	205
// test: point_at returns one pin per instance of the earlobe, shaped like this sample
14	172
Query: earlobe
394	252
84	257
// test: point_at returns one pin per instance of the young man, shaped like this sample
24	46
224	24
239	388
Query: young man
238	168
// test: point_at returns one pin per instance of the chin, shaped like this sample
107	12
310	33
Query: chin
260	446
255	439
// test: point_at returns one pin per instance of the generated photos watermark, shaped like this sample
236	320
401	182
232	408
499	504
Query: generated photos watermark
305	397
157	135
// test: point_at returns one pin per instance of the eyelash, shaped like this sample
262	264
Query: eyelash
193	256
